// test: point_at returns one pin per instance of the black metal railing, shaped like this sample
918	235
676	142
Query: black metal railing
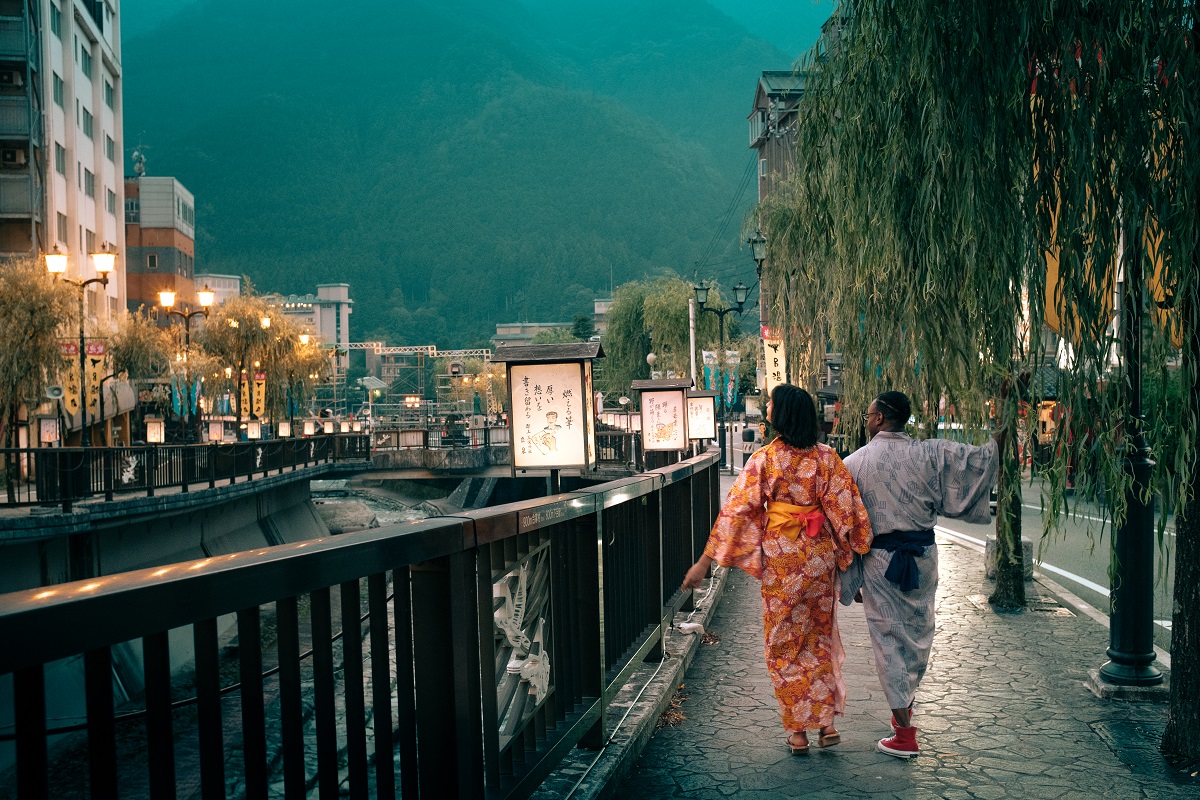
618	447
53	475
438	438
473	652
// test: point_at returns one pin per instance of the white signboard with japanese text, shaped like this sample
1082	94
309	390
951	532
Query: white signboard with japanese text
549	404
776	360
664	420
702	417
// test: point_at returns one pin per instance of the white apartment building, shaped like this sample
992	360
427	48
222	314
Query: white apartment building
327	314
61	142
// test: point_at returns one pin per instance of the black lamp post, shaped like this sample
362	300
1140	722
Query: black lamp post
758	250
166	299
1131	604
740	292
56	264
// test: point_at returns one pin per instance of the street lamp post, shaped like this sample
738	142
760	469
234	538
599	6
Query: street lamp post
166	299
740	293
1131	604
56	265
758	251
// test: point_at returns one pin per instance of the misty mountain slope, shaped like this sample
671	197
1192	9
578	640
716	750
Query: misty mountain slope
459	163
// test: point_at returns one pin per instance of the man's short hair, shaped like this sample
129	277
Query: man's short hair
895	408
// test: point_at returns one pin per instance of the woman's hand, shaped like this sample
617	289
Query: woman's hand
696	575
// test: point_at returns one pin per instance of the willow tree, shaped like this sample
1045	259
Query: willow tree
238	333
900	235
1116	197
34	310
652	316
946	156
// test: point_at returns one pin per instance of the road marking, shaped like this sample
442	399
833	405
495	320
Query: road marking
1095	587
1169	531
978	544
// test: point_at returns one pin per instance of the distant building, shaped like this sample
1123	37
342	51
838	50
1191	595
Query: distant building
523	332
772	134
160	236
600	309
61	142
326	314
223	286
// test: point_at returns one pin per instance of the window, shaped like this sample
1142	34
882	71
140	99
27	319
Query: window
152	262
108	94
89	185
60	159
88	123
762	166
110	201
62	228
85	61
89	242
110	148
56	20
58	91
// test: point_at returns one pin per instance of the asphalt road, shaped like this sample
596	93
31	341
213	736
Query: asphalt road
1077	555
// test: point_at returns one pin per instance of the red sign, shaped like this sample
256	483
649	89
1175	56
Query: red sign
68	348
95	348
260	376
770	333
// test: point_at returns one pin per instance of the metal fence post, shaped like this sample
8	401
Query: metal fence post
109	467
151	469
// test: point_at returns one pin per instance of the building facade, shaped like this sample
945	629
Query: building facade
223	286
61	140
160	241
772	134
326	314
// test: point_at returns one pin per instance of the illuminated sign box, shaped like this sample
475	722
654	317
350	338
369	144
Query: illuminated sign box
664	413
553	406
702	415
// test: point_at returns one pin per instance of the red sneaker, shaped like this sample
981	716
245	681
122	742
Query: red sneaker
902	745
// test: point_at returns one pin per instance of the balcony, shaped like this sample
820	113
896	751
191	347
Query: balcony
14	117
16	196
12	38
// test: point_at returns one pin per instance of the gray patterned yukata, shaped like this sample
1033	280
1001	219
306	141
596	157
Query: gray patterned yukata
905	484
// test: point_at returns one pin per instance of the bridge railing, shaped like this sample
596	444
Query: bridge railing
471	652
52	475
438	438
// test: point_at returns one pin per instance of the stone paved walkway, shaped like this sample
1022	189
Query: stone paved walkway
1002	713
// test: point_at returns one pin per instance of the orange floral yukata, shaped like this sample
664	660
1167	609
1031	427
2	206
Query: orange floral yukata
799	575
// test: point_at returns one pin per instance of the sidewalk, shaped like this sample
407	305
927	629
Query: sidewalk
1002	713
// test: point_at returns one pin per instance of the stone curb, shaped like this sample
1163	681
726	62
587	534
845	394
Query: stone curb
634	712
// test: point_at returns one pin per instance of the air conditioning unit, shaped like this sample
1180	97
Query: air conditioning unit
11	79
11	156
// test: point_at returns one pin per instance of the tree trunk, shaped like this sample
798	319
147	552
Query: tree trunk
1181	739
1010	560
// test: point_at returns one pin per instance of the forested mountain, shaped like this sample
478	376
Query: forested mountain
458	162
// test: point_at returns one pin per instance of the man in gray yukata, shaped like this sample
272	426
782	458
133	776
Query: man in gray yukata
905	484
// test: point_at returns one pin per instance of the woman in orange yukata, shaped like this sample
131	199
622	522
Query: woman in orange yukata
793	519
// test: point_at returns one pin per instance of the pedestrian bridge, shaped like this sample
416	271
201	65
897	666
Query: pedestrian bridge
455	656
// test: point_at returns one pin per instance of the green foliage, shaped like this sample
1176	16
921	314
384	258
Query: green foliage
141	349
583	328
554	336
652	316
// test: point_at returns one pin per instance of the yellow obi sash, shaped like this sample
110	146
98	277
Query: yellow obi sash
789	519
